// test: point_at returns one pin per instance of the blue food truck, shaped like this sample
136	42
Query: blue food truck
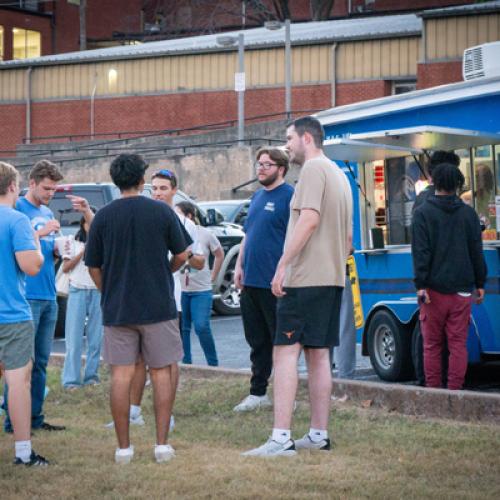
384	146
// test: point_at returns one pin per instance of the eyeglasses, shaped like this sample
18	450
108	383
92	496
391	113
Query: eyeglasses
265	165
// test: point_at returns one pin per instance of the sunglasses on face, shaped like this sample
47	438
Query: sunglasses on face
165	172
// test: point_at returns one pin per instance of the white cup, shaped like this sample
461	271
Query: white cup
63	244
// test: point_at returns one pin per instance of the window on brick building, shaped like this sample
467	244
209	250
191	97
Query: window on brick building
1	43
401	87
26	43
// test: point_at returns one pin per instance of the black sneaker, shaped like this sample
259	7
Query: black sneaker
50	428
34	461
306	443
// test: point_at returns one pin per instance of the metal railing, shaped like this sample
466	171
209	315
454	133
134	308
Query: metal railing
138	134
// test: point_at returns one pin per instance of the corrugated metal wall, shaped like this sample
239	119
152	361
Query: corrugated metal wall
214	71
378	59
12	85
447	38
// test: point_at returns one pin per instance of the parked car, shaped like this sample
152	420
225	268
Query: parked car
226	296
234	211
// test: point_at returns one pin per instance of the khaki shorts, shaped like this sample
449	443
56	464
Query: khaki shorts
17	344
159	344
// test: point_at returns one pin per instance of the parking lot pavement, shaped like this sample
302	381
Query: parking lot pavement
232	348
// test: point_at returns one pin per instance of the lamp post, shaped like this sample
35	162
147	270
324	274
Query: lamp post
239	79
276	25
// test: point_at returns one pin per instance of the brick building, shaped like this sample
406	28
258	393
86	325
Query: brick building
31	28
188	82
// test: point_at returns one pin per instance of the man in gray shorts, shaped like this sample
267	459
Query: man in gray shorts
20	251
127	256
308	282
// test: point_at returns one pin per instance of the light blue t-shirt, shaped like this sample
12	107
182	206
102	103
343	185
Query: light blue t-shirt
16	235
43	285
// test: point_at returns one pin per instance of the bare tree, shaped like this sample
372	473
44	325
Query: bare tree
321	9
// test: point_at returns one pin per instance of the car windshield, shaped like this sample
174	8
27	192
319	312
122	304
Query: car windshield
61	206
228	210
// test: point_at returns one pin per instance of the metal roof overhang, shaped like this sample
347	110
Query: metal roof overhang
430	137
355	151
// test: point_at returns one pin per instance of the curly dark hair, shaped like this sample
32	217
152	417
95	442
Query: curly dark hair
447	177
441	156
127	171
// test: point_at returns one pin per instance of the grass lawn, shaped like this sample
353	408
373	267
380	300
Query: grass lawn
376	454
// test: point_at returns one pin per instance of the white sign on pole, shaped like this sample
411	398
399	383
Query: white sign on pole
239	82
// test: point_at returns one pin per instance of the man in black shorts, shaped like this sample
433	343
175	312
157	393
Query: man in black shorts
309	280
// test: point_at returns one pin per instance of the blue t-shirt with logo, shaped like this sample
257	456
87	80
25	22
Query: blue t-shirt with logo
265	231
16	235
43	285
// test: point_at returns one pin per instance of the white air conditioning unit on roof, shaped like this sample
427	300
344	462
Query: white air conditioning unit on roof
482	61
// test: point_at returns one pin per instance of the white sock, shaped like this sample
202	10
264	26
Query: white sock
317	434
281	435
23	450
135	411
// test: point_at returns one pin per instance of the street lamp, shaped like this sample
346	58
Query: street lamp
239	78
276	25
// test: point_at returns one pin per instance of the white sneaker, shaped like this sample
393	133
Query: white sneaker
306	443
164	453
124	455
252	402
139	420
273	449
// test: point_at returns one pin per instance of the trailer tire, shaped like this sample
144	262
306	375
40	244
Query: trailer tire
417	354
389	348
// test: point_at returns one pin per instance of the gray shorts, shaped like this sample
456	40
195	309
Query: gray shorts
159	344
17	344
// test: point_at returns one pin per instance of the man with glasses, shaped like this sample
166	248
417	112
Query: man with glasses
260	251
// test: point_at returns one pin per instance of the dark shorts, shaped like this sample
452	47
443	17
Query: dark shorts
17	344
159	344
309	316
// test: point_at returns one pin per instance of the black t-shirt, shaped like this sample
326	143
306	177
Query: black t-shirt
129	241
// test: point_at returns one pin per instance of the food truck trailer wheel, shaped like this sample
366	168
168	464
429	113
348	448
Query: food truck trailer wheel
389	347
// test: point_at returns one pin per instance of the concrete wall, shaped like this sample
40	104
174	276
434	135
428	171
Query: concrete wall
206	176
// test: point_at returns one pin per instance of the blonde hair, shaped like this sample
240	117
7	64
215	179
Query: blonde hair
8	175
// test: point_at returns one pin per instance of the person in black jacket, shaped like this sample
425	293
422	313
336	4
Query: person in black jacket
448	266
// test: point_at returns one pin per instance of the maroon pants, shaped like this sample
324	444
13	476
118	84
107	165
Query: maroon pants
447	316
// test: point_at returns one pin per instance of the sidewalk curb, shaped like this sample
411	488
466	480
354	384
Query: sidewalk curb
467	406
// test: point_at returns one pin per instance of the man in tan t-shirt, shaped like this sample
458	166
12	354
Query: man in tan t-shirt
309	281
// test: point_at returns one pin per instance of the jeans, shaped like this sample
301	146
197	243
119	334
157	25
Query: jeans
44	321
258	311
82	305
196	308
